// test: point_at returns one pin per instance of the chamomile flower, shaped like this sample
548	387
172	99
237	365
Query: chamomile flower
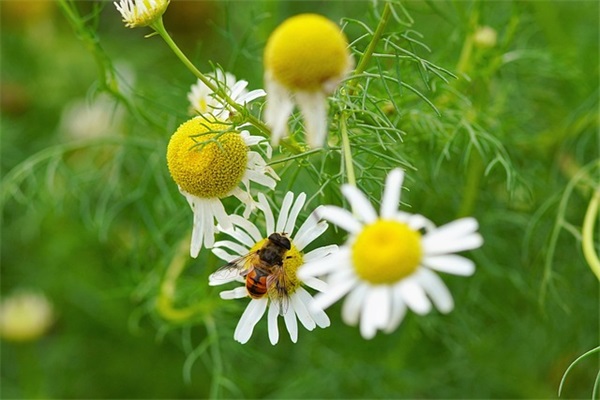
287	296
138	13
203	101
305	59
389	262
208	162
25	316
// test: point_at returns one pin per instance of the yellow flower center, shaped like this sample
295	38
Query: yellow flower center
204	162
306	51
386	252
292	260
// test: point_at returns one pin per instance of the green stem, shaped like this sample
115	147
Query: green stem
348	163
588	235
159	28
471	190
366	57
166	297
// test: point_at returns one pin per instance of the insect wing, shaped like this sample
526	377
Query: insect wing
240	267
278	289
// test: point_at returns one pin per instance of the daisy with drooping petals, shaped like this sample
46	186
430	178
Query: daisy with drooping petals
138	13
208	161
390	261
203	100
305	59
248	239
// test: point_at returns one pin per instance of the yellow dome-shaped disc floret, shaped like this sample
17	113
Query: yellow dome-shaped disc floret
306	52
386	252
206	163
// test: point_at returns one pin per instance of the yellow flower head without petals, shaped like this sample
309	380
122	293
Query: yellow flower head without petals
204	162
306	52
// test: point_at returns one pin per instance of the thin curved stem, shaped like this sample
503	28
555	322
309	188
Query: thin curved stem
587	243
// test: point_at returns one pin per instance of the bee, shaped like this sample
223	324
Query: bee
263	270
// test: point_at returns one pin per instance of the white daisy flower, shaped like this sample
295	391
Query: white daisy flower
286	297
203	101
138	13
208	160
305	59
389	262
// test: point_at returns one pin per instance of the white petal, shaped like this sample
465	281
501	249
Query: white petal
272	322
317	314
315	283
321	252
313	106
241	237
340	217
245	198
260	178
338	260
436	289
415	221
252	95
455	229
309	236
209	225
265	207
197	230
283	212
391	193
217	209
291	324
450	263
442	245
247	226
223	255
360	204
398	311
291	221
238	248
376	310
237	293
333	293
309	224
278	108
302	312
414	296
253	313
353	304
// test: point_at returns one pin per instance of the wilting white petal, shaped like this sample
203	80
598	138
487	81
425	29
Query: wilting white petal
313	106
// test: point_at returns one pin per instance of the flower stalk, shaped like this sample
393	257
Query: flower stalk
587	242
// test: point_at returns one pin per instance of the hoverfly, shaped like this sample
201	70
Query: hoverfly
263	270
